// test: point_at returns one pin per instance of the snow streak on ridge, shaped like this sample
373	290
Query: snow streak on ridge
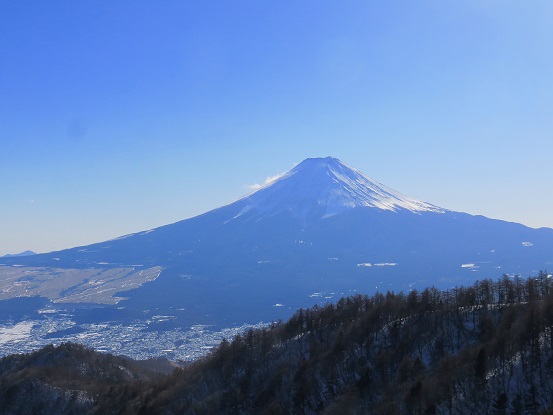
323	187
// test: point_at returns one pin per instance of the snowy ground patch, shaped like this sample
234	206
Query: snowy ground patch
19	332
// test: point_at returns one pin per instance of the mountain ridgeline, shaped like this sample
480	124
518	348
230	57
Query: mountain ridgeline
481	349
321	231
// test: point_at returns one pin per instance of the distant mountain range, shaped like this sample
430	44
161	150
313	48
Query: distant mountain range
24	253
321	231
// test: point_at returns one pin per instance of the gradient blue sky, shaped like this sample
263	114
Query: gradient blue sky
119	116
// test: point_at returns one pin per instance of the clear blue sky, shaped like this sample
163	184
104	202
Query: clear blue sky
119	116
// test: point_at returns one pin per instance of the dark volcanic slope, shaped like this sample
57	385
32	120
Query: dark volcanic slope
321	230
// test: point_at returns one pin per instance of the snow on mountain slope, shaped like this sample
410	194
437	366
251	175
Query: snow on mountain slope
321	231
323	187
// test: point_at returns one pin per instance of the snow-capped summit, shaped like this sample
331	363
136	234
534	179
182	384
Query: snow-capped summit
321	231
323	187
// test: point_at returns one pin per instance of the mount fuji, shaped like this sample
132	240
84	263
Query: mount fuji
321	231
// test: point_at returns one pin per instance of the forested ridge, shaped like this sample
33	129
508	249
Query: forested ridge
483	349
